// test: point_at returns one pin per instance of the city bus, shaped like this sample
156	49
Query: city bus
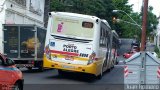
115	46
79	43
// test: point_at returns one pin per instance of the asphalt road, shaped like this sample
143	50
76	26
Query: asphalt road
115	76
49	80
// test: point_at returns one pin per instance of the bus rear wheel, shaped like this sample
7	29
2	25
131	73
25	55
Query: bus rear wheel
101	73
99	76
29	68
61	72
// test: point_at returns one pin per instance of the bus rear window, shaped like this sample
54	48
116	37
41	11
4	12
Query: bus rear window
87	24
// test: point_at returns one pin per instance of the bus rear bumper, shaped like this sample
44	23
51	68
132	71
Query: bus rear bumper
90	69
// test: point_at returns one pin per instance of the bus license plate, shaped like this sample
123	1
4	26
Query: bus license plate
69	58
65	66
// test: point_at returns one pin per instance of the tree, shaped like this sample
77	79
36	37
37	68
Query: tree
56	5
151	21
128	30
99	8
122	28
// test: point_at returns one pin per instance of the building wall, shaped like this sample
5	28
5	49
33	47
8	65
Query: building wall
2	21
47	9
20	12
17	13
157	38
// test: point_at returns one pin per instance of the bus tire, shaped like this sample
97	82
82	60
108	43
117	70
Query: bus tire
109	69
40	67
29	68
101	74
61	72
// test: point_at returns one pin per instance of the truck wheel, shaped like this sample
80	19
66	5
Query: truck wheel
40	66
29	68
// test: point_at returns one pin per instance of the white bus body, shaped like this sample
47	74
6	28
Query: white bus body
79	43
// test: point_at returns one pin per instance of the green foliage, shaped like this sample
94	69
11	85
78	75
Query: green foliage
151	21
157	51
57	6
128	30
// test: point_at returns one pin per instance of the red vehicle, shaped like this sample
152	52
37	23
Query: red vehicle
10	76
128	54
135	48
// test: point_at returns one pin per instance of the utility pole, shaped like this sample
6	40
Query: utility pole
144	22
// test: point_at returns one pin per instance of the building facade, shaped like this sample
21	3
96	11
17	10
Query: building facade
21	12
46	10
157	35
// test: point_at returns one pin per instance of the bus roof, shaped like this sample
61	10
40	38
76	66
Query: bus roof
75	15
105	21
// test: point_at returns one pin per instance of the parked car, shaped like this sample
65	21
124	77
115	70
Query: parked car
135	48
128	54
10	76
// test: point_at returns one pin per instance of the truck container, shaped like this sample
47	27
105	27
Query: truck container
24	44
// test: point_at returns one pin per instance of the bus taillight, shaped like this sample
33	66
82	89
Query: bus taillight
92	58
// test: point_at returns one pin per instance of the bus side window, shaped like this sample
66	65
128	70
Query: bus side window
102	37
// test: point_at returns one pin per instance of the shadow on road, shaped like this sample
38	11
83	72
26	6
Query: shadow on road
35	70
75	76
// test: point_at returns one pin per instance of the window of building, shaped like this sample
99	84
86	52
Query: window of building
35	7
21	2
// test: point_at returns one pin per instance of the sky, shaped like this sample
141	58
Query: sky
154	3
